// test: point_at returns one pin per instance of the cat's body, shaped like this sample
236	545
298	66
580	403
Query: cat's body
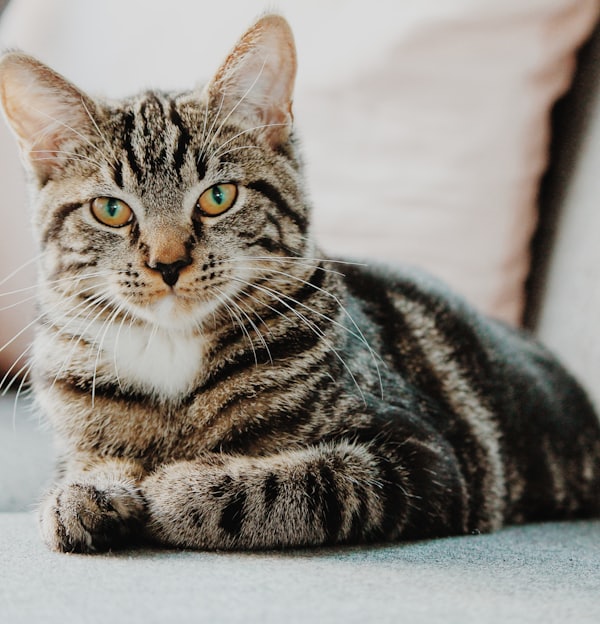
216	383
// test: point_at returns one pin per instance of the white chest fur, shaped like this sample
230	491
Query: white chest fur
161	361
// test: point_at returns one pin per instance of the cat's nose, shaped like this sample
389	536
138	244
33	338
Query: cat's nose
170	272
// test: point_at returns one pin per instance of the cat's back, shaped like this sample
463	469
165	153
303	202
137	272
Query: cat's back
414	308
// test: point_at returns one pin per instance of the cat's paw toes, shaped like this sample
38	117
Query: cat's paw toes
85	518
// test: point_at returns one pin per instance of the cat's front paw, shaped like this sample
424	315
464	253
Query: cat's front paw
86	518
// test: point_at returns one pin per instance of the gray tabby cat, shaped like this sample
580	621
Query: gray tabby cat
214	383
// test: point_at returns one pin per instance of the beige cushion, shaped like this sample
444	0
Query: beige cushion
433	155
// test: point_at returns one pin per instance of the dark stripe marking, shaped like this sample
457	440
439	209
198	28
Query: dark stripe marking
359	516
307	290
272	194
332	506
218	490
57	221
128	130
118	174
201	165
233	514
296	341
183	140
271	489
279	309
411	362
253	433
393	498
76	266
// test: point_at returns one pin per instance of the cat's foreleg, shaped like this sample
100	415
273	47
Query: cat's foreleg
326	494
95	505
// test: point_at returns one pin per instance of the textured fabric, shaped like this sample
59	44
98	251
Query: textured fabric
539	573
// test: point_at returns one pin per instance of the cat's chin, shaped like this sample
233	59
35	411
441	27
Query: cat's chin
175	313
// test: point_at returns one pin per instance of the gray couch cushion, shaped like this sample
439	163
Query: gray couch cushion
25	456
537	573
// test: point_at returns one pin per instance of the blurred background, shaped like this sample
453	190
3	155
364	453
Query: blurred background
425	124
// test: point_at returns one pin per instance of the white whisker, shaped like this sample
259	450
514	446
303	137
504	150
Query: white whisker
77	337
310	324
237	149
308	263
7	375
74	278
72	156
153	333
239	134
252	324
102	136
18	303
298	259
18	394
6	278
240	324
116	348
359	334
202	150
106	325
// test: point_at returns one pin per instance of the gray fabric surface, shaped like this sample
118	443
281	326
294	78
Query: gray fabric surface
539	573
26	456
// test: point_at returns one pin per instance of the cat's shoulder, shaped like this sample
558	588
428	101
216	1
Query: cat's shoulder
374	280
388	290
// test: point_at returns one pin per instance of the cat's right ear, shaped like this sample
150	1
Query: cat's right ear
46	112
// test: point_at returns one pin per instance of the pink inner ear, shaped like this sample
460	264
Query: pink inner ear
256	80
45	111
42	129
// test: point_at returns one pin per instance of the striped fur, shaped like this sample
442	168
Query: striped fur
253	394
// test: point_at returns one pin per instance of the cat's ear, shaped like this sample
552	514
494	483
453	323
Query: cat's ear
257	78
47	113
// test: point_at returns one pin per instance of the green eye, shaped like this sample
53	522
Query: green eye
217	199
111	211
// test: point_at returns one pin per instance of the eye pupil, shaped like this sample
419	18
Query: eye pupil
218	195
112	207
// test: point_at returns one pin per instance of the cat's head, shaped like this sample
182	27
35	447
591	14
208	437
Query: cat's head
165	205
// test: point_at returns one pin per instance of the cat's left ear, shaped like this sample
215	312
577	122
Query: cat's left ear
257	78
46	112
